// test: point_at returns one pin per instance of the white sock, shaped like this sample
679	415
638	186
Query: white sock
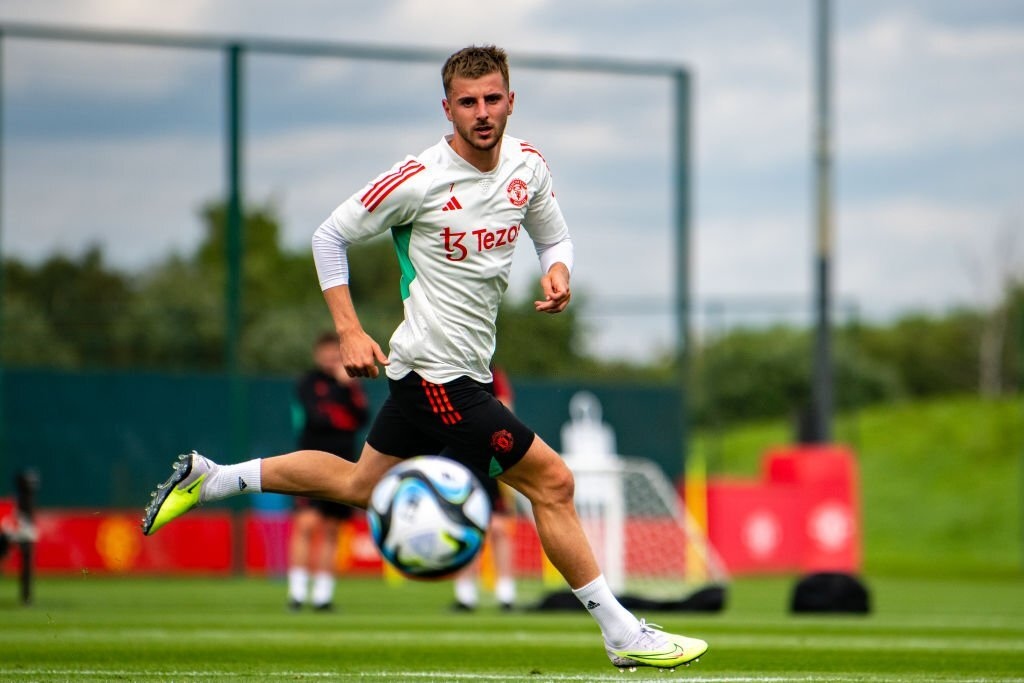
618	625
298	580
230	480
323	588
506	590
465	590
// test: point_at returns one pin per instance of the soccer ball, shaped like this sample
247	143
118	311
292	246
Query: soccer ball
428	516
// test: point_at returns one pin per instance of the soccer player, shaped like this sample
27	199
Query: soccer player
333	408
455	212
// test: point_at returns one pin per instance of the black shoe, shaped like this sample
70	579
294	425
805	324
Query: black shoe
324	607
463	607
294	605
507	607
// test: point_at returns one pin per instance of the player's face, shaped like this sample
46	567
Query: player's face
478	109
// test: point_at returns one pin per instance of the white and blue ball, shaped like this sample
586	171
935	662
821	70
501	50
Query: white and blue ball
428	516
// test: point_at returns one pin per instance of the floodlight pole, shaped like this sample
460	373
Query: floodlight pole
234	248
822	387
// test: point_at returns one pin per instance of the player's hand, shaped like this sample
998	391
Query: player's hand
555	284
360	354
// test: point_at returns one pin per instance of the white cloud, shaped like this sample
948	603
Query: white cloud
909	253
906	85
119	14
763	256
457	22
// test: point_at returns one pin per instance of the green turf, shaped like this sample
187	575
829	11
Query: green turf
121	629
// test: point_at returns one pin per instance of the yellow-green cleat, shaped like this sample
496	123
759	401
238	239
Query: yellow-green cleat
179	494
653	647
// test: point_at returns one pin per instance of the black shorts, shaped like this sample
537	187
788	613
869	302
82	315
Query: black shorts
460	419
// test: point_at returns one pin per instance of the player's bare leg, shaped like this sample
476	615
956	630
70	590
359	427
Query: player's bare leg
548	484
543	477
317	474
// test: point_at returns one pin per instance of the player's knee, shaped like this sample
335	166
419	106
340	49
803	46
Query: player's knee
559	486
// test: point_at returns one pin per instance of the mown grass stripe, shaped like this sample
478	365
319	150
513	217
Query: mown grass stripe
839	642
634	677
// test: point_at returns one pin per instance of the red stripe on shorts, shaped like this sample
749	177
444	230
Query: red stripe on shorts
439	403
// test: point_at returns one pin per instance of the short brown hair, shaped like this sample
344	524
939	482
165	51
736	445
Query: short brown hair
474	62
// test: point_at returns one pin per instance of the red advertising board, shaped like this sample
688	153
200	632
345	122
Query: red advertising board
754	526
802	515
826	477
85	541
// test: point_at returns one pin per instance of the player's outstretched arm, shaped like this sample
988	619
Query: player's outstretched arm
360	354
555	284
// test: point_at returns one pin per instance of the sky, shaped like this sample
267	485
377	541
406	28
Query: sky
120	146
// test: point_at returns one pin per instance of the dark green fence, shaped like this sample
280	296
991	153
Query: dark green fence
103	439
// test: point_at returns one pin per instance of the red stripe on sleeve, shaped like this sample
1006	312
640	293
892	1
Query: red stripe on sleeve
527	147
386	185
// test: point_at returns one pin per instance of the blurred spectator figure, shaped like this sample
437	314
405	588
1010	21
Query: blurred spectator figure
332	408
500	532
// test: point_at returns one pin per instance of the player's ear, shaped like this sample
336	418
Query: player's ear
447	109
511	100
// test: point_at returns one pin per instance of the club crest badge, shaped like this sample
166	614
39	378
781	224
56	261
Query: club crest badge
517	193
501	441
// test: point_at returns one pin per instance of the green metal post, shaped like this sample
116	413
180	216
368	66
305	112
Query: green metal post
694	460
682	224
234	249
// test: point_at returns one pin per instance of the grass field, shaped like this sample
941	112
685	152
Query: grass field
131	629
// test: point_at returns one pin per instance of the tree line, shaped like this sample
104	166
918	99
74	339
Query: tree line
81	313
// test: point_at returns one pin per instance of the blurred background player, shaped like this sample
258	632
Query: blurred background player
500	532
331	409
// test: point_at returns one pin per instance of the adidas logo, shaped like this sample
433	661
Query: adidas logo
452	205
591	604
242	485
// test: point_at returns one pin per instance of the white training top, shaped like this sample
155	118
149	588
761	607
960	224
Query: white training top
455	230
